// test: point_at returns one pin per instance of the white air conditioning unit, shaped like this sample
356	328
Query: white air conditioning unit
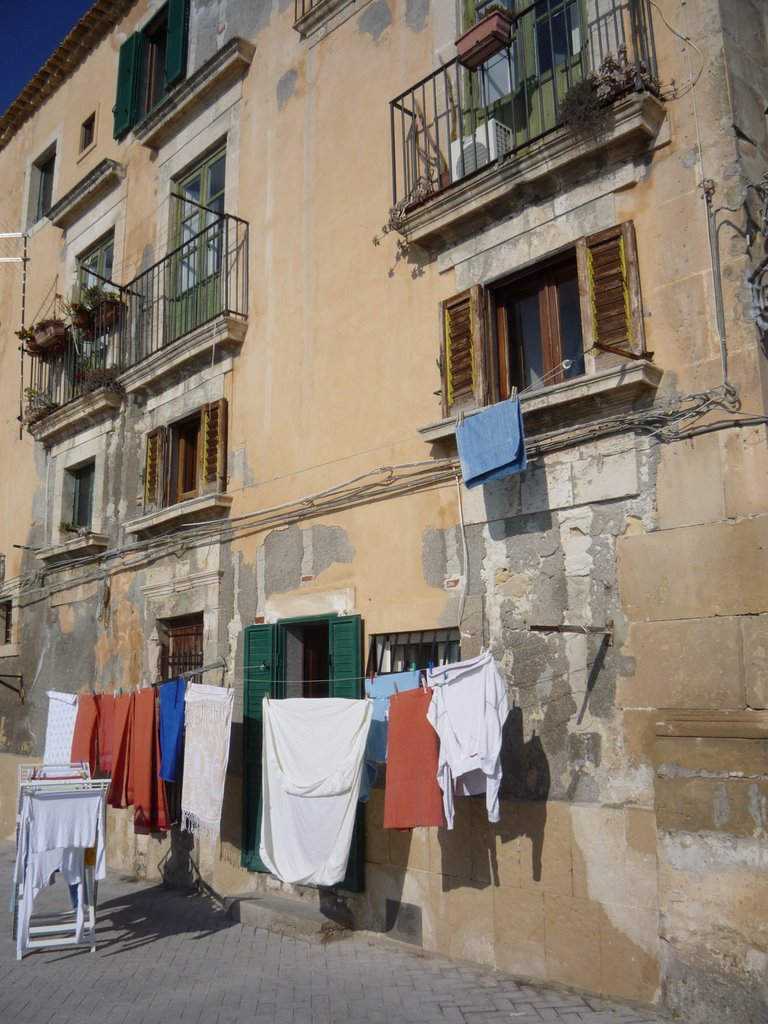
491	140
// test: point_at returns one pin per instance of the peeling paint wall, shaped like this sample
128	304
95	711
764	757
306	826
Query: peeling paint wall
630	855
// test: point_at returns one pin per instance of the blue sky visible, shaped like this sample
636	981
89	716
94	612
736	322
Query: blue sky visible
31	31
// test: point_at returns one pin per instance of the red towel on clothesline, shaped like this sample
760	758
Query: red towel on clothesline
105	703
150	810
121	790
85	736
412	796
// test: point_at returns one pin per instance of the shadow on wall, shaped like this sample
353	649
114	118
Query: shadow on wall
470	852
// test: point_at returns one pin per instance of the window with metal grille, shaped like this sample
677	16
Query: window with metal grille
398	652
181	645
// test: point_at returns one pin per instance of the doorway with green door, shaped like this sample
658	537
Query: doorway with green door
319	656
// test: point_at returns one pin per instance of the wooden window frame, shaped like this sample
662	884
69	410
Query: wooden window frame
610	307
88	132
200	437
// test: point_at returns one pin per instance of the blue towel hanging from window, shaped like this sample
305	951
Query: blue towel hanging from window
491	443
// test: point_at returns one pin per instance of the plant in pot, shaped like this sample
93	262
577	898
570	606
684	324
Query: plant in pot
26	336
39	404
81	318
69	530
489	35
51	333
92	378
105	306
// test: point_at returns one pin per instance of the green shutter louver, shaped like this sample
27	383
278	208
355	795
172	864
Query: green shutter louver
128	74
260	671
176	43
346	647
346	656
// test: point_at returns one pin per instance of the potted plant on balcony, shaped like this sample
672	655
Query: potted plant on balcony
39	404
81	318
490	34
91	378
105	306
51	333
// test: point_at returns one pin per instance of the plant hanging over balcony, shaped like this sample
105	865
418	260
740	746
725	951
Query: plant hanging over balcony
40	404
585	107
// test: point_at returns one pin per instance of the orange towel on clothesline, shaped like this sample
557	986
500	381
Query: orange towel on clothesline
412	796
105	703
121	790
85	736
150	810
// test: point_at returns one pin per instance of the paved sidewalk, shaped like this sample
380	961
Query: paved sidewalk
165	956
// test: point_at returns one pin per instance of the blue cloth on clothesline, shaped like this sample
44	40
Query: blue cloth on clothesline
171	727
491	443
380	689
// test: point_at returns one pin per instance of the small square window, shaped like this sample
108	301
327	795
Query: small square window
87	132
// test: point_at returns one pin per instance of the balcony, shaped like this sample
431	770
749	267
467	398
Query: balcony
171	319
462	140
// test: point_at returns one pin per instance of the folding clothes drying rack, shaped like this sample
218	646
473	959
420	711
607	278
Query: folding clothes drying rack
48	929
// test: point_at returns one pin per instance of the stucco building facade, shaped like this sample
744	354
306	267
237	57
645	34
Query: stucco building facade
321	241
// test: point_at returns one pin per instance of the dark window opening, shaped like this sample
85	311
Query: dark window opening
307	660
399	652
539	328
82	494
87	132
181	645
185	442
6	621
41	186
152	86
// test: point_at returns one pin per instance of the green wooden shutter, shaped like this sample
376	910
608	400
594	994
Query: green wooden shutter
176	44
346	650
462	350
213	448
260	672
128	74
609	283
154	469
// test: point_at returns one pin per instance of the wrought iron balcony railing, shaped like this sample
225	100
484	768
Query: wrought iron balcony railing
199	281
455	121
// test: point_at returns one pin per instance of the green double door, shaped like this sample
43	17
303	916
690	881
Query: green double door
524	88
196	269
314	657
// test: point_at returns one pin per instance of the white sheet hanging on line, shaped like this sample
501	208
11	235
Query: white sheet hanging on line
312	761
208	723
62	712
468	710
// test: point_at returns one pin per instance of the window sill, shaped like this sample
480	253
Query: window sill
81	545
316	19
224	335
101	180
10	650
474	202
607	390
76	416
196	510
196	94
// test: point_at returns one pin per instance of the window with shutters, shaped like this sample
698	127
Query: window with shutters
151	62
186	459
566	317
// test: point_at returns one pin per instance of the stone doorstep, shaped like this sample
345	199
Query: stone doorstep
287	915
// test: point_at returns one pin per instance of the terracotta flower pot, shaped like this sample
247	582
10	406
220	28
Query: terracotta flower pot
487	37
52	335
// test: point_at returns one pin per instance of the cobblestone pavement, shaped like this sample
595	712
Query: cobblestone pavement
164	956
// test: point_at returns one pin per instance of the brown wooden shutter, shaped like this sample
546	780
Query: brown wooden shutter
463	348
213	447
609	284
154	469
